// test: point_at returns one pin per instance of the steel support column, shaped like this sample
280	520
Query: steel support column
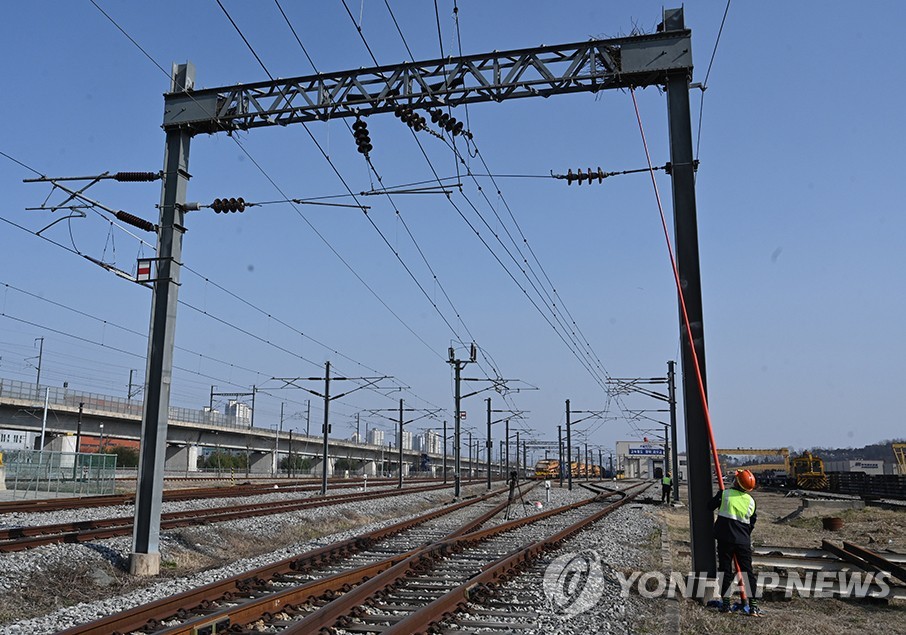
569	448
698	462
671	396
145	558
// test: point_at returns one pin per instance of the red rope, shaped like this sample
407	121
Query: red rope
686	324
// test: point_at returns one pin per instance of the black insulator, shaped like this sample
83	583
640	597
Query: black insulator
435	116
228	205
570	177
399	111
136	176
358	123
457	128
135	221
444	118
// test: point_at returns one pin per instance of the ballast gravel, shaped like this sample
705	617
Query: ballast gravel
622	542
624	527
17	566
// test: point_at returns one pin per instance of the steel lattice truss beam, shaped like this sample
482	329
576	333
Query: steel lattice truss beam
591	66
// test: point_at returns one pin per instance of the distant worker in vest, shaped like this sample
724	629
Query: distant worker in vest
733	530
666	484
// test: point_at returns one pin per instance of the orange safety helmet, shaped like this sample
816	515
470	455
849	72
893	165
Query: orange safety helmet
745	479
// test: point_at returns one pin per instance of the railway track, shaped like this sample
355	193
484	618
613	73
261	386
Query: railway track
419	571
182	494
372	548
21	538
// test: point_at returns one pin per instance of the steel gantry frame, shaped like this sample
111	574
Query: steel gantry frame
659	59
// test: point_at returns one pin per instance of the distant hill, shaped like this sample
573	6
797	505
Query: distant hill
881	451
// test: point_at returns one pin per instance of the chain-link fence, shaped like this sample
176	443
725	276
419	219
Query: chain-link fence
36	473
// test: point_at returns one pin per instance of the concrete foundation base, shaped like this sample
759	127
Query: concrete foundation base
820	505
144	564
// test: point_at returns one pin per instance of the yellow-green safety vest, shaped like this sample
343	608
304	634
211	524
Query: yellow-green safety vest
736	505
666	480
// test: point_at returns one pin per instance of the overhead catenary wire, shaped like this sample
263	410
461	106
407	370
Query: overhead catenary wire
274	184
390	199
396	209
267	176
478	213
211	316
704	86
582	362
471	226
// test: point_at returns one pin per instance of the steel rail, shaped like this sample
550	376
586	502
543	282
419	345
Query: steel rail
191	493
341	610
329	587
479	586
149	616
21	538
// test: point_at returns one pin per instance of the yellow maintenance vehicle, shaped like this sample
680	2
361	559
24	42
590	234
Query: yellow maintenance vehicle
808	472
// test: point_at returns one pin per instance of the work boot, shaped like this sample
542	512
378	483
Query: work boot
752	609
724	605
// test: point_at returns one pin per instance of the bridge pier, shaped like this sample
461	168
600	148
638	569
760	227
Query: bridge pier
317	469
261	462
181	458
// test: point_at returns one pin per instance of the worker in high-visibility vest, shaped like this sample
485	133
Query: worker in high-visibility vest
666	484
733	530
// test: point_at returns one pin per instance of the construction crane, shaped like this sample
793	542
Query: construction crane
762	467
899	451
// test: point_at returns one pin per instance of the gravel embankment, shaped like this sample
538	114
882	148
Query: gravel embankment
103	562
21	568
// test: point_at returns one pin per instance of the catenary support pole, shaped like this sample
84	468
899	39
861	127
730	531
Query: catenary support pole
560	445
400	443
518	466
506	445
145	557
671	400
326	429
489	443
698	459
569	449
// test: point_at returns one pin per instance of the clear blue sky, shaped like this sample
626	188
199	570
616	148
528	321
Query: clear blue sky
800	200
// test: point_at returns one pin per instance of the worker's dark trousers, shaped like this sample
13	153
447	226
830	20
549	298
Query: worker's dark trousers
743	553
665	493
